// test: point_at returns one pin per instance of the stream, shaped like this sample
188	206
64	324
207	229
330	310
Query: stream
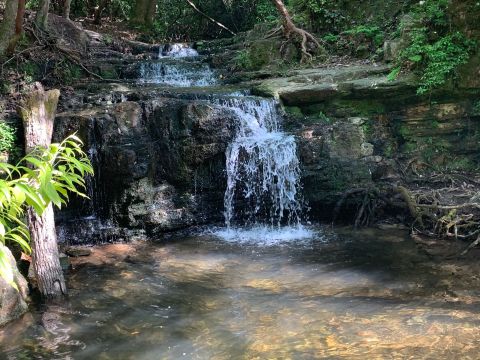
343	295
266	285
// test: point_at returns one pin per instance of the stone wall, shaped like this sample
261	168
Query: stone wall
356	129
159	161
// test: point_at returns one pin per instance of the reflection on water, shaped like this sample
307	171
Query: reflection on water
362	296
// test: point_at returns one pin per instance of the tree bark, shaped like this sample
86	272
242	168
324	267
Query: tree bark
308	43
66	9
97	17
150	14
141	7
18	27
42	14
144	13
7	27
37	110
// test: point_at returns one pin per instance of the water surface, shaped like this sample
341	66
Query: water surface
344	295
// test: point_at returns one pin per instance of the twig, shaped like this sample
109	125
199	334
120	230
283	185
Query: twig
469	247
208	17
21	52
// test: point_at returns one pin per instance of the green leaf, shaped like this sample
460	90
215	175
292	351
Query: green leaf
6	271
415	58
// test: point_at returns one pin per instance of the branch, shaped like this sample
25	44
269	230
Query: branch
208	17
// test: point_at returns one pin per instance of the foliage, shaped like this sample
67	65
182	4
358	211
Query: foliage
373	33
7	137
442	58
476	108
434	50
318	14
265	11
42	177
243	60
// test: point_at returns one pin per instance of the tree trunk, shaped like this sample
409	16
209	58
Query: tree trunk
37	110
7	27
151	11
97	17
66	9
42	14
141	7
18	27
308	44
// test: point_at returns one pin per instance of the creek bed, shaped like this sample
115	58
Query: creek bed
343	295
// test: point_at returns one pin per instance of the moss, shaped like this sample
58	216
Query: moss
364	108
109	74
294	111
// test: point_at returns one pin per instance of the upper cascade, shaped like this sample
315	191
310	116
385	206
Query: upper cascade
176	73
263	173
179	50
178	65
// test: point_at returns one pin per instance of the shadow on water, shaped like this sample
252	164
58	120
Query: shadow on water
340	295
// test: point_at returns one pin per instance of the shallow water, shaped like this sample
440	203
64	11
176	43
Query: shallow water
344	295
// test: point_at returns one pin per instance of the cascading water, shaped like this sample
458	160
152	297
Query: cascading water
263	175
176	73
177	66
179	50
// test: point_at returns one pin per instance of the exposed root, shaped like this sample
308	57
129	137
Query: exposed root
306	42
471	246
445	206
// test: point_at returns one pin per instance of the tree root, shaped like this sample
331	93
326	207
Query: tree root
471	246
305	42
432	212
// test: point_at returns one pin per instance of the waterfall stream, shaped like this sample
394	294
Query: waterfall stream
262	166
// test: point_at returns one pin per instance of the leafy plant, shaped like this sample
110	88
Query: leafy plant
7	137
318	14
42	177
243	60
476	108
434	50
330	38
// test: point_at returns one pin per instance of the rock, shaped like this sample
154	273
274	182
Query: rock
64	261
12	302
78	251
391	50
311	86
366	149
158	158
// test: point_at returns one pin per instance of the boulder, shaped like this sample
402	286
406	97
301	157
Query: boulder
12	302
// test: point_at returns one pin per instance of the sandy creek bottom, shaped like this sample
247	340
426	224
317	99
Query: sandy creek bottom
338	295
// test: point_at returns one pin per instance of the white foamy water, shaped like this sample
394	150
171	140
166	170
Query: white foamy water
267	235
179	50
262	167
179	74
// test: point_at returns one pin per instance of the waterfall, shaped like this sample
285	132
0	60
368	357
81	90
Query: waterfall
263	185
178	65
179	50
176	73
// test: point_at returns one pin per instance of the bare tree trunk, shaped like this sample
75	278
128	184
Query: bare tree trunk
97	17
42	14
150	14
308	43
140	11
66	9
18	27
37	110
7	27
